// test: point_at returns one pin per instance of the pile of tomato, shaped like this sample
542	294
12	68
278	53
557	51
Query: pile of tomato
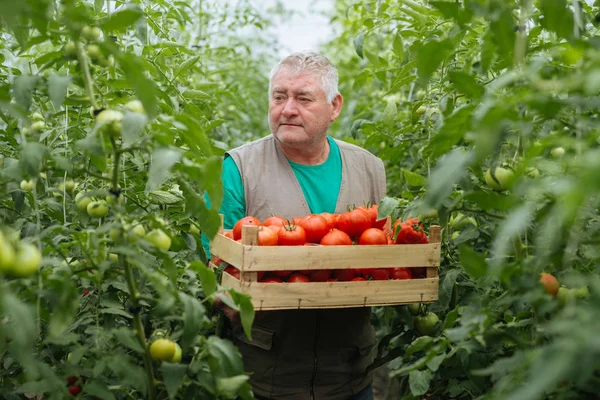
359	226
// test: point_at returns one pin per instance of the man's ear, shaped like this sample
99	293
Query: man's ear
336	105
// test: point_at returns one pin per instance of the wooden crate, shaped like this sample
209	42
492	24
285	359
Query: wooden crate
249	259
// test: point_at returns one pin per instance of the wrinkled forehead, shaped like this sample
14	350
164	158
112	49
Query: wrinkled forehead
289	79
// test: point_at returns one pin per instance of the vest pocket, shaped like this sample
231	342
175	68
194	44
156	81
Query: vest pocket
259	357
261	337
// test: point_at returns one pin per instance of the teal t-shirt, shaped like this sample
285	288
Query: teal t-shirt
320	185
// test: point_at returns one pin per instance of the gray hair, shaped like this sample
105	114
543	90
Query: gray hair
308	61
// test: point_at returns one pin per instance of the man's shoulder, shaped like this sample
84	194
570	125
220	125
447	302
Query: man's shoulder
252	145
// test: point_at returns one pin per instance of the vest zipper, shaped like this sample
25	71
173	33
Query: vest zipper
314	374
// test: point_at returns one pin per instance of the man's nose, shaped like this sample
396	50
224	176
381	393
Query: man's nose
290	108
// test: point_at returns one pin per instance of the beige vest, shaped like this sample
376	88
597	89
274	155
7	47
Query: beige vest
271	188
306	354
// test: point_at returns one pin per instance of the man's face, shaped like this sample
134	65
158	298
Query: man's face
298	111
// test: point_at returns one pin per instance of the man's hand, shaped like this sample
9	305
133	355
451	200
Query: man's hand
230	313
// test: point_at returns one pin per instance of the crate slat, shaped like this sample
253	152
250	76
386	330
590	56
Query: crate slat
280	258
278	296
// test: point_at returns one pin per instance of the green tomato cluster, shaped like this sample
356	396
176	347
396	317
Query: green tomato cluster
94	207
163	349
110	122
18	259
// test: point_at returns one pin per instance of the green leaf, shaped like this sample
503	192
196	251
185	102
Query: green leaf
162	161
419	381
32	155
398	46
419	344
466	84
98	390
503	35
430	56
116	311
209	220
226	358
387	206
515	224
207	277
492	201
173	375
435	362
230	386
128	339
163	198
452	131
57	89
132	127
122	19
472	262
23	87
185	66
358	44
450	169
246	309
558	17
193	315
413	179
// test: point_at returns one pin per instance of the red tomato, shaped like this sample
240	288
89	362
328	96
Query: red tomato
74	390
335	237
354	222
401	273
229	234
315	227
372	236
237	229
331	220
297	277
319	275
71	380
274	220
233	271
216	260
372	211
344	274
410	232
295	220
267	237
283	274
291	235
358	278
274	228
377	274
271	279
331	280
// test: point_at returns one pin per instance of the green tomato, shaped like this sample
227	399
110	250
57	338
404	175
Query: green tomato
7	255
194	230
111	121
70	50
67	186
139	230
414	309
455	235
532	172
178	353
565	296
162	350
97	209
91	33
113	257
94	52
82	200
425	325
557	152
459	221
36	116
159	239
38	126
503	179
581	292
135	106
27	186
421	110
112	199
27	261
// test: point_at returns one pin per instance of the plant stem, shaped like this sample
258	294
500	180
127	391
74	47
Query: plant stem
521	42
139	327
85	74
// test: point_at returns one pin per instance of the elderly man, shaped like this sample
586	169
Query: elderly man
297	170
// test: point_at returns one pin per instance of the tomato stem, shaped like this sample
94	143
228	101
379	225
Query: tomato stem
85	73
138	326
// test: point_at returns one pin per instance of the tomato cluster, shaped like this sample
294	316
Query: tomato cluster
359	226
